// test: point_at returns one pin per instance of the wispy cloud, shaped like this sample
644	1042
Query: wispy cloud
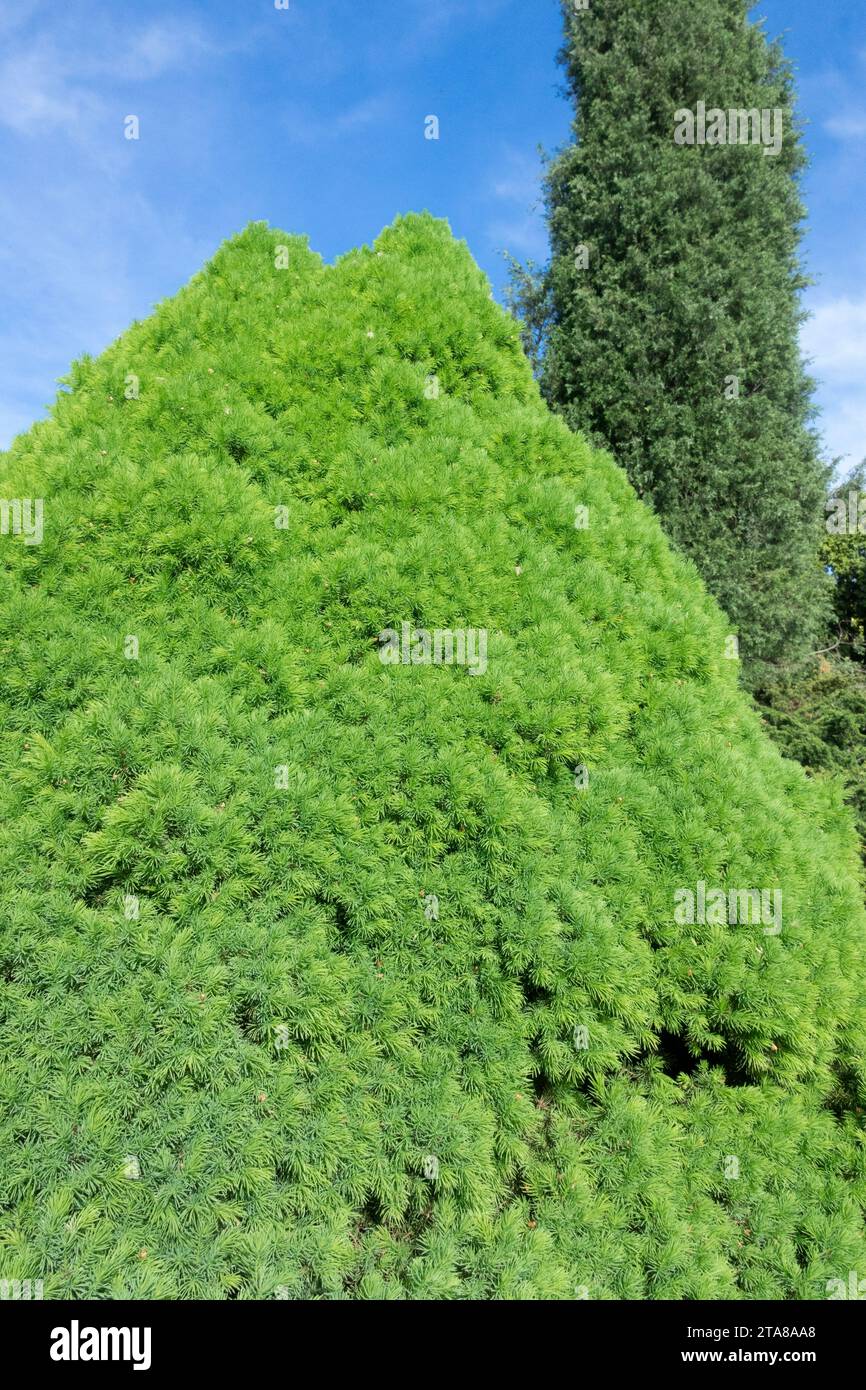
14	14
851	126
35	92
163	47
71	289
305	127
91	239
518	225
424	24
834	338
61	83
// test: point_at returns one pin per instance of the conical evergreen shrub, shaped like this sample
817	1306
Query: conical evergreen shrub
330	976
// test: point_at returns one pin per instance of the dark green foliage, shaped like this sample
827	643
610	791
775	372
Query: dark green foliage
819	718
692	279
818	714
284	1038
844	554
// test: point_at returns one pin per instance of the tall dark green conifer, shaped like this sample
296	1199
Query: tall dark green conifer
674	292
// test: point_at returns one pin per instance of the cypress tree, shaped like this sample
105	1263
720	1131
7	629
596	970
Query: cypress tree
322	975
674	296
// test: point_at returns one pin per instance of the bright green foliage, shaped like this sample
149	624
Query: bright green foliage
674	296
288	1035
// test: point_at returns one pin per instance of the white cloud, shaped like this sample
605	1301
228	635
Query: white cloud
834	338
161	48
845	429
426	23
851	126
365	114
522	184
305	128
35	92
85	250
525	237
51	82
519	225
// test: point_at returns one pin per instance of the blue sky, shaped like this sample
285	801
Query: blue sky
313	118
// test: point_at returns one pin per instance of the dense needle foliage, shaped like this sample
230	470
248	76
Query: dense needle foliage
671	307
288	1076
